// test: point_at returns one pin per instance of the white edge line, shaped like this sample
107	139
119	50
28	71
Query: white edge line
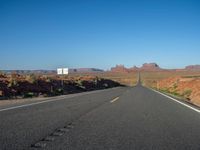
197	110
26	105
115	99
56	99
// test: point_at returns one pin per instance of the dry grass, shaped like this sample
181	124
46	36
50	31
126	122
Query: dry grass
150	79
129	79
183	84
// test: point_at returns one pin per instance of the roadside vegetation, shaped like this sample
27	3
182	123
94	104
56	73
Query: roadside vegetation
184	85
124	78
32	85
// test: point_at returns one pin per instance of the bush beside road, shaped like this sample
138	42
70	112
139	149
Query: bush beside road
26	86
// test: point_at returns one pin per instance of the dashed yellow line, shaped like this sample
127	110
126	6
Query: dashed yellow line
115	99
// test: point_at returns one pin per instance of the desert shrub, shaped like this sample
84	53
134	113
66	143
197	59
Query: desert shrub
96	81
175	85
165	90
105	85
186	93
29	95
48	80
12	83
1	93
59	91
79	82
33	78
175	93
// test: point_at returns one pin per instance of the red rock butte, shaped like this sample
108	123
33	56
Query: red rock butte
145	67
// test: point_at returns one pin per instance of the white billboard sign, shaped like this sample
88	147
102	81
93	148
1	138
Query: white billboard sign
61	71
65	70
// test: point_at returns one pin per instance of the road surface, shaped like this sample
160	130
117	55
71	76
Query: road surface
121	118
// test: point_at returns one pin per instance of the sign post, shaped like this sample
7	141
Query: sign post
62	71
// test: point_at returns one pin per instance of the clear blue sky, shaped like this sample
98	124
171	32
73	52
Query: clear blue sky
45	34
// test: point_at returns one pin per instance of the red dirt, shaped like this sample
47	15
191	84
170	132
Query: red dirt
186	87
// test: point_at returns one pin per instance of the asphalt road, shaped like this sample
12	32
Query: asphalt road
115	119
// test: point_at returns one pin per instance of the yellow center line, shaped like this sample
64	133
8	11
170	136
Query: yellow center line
115	99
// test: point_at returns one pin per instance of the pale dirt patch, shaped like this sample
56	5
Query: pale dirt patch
20	101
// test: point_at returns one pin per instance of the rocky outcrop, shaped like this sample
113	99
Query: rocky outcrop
134	68
145	67
193	67
119	68
150	67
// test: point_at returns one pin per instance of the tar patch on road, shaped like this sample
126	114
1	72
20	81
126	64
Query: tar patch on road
52	137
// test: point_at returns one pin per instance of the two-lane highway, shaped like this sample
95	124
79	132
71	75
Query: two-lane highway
20	127
114	119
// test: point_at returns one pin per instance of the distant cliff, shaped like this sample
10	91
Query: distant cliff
119	68
193	67
145	67
152	67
